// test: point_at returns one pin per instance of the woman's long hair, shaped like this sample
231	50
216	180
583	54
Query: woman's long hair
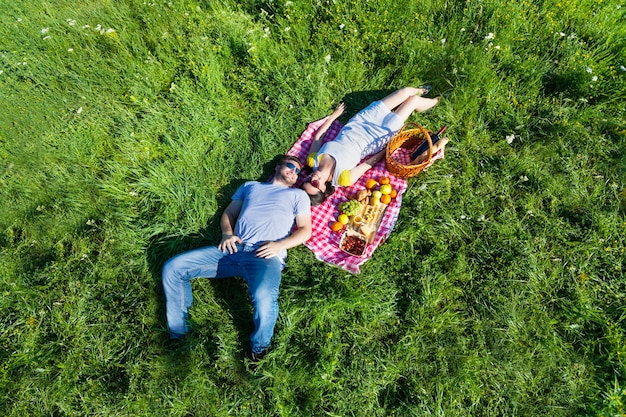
319	198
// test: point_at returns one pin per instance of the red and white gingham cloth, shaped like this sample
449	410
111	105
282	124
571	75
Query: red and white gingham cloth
324	243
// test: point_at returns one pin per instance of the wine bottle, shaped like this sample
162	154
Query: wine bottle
424	145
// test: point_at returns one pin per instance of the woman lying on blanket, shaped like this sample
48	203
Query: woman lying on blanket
367	133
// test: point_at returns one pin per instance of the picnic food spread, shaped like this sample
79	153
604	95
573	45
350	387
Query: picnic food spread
364	211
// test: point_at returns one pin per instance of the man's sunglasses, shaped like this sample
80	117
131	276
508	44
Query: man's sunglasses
292	166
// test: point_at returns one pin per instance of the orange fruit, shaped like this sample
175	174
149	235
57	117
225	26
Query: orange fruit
393	194
385	199
371	183
336	226
384	180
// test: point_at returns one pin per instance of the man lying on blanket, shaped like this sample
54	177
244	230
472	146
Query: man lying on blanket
337	163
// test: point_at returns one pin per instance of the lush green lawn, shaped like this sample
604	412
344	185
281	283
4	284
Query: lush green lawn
127	125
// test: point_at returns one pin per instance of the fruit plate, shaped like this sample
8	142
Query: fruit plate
367	221
353	243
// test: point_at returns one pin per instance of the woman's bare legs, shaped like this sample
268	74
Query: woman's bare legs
407	100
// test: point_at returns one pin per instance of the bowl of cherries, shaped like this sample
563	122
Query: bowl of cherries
353	243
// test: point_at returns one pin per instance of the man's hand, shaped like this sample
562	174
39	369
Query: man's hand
269	250
229	243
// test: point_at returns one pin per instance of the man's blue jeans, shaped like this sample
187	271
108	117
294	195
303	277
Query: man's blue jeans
262	275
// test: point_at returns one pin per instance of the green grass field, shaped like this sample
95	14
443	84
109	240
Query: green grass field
127	125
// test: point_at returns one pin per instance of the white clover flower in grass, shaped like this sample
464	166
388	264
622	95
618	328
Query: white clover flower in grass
341	26
1	72
443	41
510	139
622	68
490	36
45	30
594	78
70	50
589	70
80	110
287	29
562	34
327	58
47	37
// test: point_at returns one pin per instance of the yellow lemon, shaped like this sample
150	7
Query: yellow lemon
386	189
343	218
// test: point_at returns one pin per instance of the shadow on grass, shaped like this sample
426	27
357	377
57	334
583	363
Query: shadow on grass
232	294
164	246
357	101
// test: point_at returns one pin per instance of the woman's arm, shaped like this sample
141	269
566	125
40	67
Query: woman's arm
317	141
358	171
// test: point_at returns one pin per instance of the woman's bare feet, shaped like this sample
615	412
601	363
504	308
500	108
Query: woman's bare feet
424	89
436	147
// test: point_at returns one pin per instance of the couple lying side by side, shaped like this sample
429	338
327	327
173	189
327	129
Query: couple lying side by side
257	224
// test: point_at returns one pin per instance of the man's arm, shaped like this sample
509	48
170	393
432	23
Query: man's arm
227	224
301	235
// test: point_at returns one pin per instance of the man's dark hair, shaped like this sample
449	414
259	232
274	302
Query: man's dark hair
292	158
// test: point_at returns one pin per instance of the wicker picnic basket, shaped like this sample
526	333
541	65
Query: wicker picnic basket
409	137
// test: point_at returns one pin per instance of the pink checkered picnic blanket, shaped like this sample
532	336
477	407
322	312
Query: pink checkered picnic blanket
324	243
